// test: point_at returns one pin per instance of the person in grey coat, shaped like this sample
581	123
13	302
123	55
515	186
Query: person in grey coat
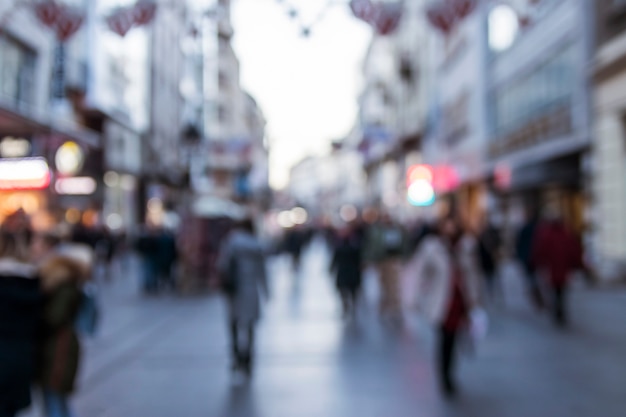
241	264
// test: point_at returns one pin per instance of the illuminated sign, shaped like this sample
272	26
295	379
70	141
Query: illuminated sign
420	190
69	158
75	186
24	174
11	147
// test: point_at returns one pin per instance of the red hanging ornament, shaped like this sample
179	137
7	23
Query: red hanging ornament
441	16
524	21
47	12
387	17
144	12
67	23
121	21
463	8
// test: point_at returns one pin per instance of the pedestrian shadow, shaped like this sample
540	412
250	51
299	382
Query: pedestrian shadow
240	401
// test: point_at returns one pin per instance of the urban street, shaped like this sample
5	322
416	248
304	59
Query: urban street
168	356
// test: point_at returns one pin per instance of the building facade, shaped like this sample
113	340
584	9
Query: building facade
43	137
609	130
539	115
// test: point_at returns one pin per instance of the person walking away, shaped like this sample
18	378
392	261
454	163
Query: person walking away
557	253
386	244
61	278
448	288
523	250
241	264
347	266
147	246
489	245
20	309
294	242
168	255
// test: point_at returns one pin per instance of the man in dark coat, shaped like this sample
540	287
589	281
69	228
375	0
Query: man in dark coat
347	265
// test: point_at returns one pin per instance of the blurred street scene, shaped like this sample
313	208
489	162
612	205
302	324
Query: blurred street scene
312	207
156	357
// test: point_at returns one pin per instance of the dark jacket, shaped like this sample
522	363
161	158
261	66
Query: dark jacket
61	281
346	263
20	308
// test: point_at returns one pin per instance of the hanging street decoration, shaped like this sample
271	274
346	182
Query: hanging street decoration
65	21
445	15
144	12
441	16
47	12
123	19
384	17
68	23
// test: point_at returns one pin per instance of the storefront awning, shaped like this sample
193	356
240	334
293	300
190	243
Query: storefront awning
16	124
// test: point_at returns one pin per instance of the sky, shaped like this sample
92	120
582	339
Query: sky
307	87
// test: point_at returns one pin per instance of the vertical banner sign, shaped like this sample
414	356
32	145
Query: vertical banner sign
58	73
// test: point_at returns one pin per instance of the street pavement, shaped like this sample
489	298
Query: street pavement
167	356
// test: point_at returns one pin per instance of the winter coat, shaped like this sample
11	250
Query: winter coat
556	251
433	271
346	263
61	279
250	276
20	309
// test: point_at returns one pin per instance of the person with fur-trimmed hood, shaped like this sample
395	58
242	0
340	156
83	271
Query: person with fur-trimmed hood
62	273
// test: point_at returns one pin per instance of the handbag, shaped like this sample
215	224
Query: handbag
88	316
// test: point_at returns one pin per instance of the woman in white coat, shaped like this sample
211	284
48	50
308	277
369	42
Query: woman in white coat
448	288
242	266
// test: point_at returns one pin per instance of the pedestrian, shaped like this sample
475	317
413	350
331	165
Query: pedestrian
448	288
241	264
20	310
489	246
556	253
523	250
346	264
294	243
62	278
147	246
168	254
386	245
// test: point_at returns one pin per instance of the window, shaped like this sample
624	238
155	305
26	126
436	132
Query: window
17	73
549	86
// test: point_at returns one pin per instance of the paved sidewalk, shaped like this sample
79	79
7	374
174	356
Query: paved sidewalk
167	357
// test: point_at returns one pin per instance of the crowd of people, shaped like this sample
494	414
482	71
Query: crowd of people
453	272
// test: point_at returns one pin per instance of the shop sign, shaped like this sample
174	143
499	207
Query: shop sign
69	158
75	186
24	174
11	147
